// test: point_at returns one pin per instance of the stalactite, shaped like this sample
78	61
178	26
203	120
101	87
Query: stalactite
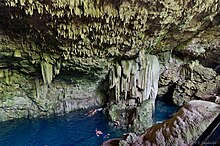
47	72
138	78
17	53
111	85
118	70
1	73
126	68
37	86
57	68
6	75
152	78
117	92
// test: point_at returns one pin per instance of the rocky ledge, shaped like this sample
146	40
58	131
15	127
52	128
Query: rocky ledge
184	128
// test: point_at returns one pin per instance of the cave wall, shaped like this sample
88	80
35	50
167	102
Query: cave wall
28	96
42	40
182	81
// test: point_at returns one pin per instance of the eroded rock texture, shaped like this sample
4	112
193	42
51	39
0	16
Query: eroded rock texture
186	81
183	129
25	96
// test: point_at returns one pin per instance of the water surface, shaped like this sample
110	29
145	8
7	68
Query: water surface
74	129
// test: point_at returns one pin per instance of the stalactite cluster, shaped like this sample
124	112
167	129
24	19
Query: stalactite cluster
134	79
75	30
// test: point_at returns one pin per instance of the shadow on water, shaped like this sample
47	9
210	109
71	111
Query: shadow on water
74	129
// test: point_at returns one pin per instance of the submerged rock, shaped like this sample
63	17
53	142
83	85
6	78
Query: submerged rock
183	129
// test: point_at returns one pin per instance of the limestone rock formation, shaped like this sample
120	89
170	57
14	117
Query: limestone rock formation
133	86
188	81
144	117
22	96
134	80
183	129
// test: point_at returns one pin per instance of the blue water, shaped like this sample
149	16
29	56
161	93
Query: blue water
74	129
164	111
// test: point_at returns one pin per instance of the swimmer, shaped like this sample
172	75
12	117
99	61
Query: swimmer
105	136
99	109
98	133
116	124
93	111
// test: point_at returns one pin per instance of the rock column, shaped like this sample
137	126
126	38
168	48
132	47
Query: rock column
131	82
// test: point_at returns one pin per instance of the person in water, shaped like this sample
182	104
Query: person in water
98	133
93	111
117	124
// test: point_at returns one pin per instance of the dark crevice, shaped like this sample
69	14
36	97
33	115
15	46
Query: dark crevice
168	97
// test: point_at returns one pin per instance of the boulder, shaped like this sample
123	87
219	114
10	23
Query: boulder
144	117
184	128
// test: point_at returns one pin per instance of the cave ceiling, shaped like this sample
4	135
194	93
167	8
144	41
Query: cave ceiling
87	35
